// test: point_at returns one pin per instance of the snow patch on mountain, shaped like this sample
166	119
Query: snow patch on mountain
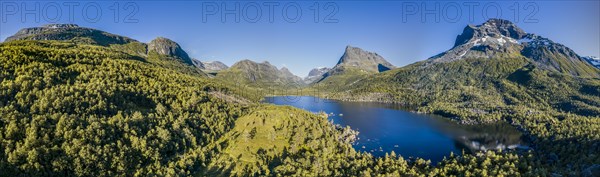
595	61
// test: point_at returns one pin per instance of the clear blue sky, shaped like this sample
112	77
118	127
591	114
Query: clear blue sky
375	26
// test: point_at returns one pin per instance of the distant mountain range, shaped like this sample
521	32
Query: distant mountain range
495	65
214	65
354	61
211	67
259	75
495	38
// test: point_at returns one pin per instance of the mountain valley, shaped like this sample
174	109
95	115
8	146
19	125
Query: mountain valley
77	101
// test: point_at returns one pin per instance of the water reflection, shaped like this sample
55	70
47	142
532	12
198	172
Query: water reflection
389	127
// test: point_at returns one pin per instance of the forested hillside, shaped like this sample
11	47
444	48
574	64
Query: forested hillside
86	110
554	97
72	108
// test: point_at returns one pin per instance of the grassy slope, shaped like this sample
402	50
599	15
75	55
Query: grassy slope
339	82
265	134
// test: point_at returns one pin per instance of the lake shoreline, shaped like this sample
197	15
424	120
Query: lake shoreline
405	131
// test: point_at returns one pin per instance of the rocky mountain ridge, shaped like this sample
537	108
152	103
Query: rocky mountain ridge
214	65
316	74
69	32
498	38
593	60
262	74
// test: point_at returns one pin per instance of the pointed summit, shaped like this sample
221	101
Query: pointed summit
358	58
354	63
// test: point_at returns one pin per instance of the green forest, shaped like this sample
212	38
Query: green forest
75	109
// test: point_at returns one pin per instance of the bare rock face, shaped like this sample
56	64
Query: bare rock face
368	61
595	61
169	48
491	39
285	73
198	63
316	74
497	38
492	28
356	60
214	65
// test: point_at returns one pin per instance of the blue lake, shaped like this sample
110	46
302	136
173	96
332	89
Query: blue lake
388	127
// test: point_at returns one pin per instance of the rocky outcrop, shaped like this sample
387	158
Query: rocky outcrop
214	65
285	72
492	28
594	61
497	38
169	48
316	74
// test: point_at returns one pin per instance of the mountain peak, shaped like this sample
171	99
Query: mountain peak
214	65
316	74
495	28
247	63
498	38
368	61
248	71
487	40
286	72
168	47
350	48
210	66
